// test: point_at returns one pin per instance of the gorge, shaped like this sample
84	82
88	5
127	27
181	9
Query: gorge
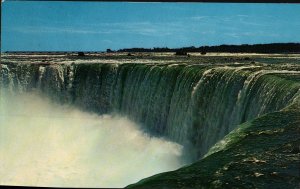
238	122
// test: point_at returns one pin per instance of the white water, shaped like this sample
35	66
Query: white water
46	144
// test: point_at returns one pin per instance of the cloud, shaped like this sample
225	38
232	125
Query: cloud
43	29
143	28
243	15
250	34
199	17
137	28
233	19
236	26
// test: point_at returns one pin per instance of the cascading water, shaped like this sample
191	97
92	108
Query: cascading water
194	105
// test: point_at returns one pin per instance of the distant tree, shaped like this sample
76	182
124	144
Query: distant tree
80	54
181	52
109	50
244	48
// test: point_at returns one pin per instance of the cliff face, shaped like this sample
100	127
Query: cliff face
194	105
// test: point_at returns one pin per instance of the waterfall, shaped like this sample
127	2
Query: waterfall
194	105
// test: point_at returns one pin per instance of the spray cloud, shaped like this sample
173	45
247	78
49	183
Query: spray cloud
47	144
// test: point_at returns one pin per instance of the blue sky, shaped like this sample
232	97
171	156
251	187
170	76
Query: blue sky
96	26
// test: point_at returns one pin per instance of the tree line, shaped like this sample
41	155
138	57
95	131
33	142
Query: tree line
245	48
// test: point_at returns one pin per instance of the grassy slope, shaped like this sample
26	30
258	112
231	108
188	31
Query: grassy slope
263	153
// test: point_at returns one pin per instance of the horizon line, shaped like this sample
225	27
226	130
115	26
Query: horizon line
149	48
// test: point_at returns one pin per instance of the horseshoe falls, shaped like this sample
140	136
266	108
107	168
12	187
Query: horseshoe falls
216	123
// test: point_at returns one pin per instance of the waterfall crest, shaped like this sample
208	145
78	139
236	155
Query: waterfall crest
194	105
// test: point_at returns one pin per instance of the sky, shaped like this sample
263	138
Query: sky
97	26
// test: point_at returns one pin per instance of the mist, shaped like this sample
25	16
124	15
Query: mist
46	144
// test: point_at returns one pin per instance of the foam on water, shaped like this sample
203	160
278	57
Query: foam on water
46	144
